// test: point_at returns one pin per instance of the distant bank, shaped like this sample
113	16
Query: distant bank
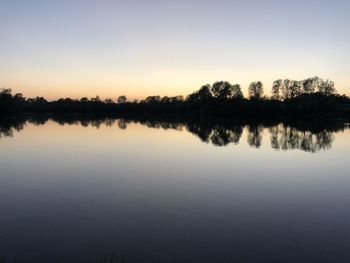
309	97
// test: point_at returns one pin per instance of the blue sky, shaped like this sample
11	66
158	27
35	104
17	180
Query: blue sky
138	48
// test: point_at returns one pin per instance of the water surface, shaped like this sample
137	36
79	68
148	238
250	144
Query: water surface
78	189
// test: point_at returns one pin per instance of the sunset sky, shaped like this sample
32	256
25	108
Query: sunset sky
80	48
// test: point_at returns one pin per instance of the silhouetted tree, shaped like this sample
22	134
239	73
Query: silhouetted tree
203	94
19	101
326	87
290	89
96	99
276	89
310	84
256	90
295	88
5	99
165	99
153	99
122	99
109	101
177	99
223	90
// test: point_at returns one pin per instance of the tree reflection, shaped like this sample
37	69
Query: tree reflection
254	136
306	136
122	124
202	132
288	138
8	126
222	136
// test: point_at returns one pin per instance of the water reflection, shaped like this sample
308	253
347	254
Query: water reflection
173	189
306	136
254	135
9	125
285	138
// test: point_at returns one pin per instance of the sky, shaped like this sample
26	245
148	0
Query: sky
137	48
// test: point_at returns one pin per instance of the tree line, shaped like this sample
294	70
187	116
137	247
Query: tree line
288	97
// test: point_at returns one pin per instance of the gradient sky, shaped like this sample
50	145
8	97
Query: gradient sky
82	48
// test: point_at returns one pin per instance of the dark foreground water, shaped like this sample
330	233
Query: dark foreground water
77	190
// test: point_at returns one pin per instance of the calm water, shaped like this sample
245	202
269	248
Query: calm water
173	191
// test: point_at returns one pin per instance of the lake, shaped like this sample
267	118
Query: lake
81	189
